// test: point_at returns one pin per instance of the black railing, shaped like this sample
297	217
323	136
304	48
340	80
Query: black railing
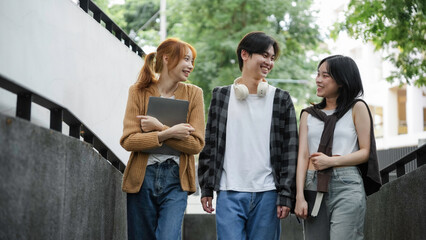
100	16
391	155
58	115
418	155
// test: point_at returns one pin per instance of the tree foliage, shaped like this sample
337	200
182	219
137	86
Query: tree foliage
114	13
215	27
396	25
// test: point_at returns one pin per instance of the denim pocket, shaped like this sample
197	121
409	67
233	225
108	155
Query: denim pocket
309	179
350	179
174	171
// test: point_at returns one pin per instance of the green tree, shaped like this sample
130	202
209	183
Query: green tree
114	13
138	18
102	4
215	27
396	25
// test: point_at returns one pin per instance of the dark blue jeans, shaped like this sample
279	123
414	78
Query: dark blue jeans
247	215
156	211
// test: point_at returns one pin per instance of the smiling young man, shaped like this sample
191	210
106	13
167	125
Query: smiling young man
251	148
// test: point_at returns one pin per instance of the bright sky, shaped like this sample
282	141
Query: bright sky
112	2
326	16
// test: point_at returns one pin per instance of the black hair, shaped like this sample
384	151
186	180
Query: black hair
346	74
256	42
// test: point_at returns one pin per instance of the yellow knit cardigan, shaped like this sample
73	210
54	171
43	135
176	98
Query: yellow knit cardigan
134	140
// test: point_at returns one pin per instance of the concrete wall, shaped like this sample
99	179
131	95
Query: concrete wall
56	187
398	210
57	50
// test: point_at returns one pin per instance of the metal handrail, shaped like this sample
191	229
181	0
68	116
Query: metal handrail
111	26
58	115
419	155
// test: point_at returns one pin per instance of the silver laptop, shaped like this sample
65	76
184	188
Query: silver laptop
169	112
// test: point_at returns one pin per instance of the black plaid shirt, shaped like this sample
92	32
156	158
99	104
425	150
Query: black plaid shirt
283	145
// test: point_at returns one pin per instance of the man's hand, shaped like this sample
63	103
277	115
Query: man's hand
207	204
282	211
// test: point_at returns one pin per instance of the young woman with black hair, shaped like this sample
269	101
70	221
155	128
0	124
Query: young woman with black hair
336	139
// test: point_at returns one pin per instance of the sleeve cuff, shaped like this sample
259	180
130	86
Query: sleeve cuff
206	193
285	201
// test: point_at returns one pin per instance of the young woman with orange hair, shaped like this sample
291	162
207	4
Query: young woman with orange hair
158	185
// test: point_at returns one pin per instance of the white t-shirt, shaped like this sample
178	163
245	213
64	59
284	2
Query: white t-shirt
247	165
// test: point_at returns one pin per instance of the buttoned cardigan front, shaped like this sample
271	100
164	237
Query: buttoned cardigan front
134	140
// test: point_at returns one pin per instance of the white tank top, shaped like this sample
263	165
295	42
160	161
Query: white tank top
345	139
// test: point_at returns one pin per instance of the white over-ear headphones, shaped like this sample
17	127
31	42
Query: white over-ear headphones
242	92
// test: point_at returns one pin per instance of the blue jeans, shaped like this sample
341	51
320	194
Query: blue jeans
156	211
342	211
247	215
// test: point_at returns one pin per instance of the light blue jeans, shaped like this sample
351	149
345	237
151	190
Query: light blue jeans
156	211
247	215
342	211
